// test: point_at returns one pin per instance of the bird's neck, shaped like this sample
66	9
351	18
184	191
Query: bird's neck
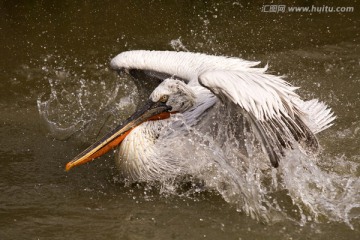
137	153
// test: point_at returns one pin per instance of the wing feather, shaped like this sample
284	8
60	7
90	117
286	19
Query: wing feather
264	95
185	65
270	103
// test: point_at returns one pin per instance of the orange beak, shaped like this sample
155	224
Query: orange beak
151	111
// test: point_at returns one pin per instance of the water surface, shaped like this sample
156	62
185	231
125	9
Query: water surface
55	57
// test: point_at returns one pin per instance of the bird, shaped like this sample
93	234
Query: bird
205	100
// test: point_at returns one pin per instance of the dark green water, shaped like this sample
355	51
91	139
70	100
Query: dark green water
64	47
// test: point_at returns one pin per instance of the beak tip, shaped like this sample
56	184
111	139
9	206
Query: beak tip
68	166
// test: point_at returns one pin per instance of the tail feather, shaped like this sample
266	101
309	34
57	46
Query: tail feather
320	116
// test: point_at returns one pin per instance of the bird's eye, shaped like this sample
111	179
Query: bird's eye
164	98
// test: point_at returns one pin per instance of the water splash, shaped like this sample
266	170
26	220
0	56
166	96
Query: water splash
320	193
177	45
301	190
85	104
202	37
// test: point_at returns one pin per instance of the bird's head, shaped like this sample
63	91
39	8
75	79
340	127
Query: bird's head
175	94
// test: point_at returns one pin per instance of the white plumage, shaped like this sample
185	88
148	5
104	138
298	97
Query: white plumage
193	84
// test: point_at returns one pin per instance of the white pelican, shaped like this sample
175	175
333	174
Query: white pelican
194	88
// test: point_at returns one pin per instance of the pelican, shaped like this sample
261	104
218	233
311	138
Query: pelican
197	93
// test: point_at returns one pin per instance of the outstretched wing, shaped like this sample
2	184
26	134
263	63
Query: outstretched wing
185	66
270	105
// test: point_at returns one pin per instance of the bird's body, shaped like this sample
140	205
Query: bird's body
149	152
215	105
